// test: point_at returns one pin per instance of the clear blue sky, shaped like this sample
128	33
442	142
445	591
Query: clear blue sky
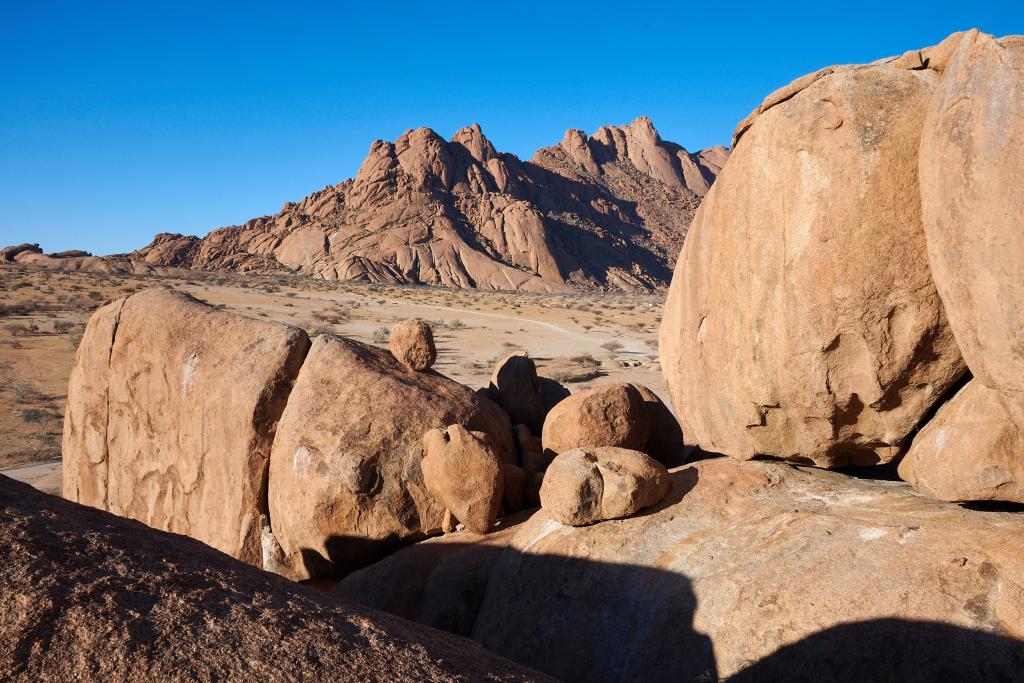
122	119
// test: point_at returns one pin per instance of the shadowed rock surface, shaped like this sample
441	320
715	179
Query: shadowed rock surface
746	563
802	321
610	210
85	595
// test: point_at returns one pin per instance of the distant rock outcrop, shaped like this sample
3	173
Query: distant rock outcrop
88	596
610	210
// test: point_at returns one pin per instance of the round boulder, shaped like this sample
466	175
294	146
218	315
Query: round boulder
464	473
412	343
588	485
607	415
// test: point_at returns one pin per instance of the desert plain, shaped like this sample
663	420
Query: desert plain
580	338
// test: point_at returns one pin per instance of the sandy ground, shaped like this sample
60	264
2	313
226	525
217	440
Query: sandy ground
580	339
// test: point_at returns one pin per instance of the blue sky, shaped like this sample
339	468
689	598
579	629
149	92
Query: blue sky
122	119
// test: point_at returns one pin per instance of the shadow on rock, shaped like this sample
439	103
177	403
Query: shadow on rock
893	650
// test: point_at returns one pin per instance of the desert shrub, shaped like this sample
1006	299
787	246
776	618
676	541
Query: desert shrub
34	415
62	326
22	390
7	310
611	346
586	361
380	335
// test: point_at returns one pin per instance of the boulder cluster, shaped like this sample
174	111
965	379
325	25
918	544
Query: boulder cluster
312	458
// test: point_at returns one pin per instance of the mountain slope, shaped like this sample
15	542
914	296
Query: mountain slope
610	210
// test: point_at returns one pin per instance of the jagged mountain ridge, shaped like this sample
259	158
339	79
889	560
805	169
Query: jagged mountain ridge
608	210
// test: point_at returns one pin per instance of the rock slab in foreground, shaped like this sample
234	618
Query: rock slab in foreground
802	321
85	595
970	450
971	173
757	569
171	411
346	483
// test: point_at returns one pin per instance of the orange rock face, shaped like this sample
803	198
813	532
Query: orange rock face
802	321
412	343
172	406
608	210
759	570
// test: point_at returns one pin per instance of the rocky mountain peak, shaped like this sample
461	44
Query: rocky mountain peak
609	210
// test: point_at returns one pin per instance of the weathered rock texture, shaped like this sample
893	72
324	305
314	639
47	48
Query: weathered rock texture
464	474
346	482
971	173
412	342
759	568
85	595
605	415
610	210
171	411
802	321
970	450
588	485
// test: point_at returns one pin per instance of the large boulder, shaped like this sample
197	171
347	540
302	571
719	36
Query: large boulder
970	450
464	474
802	321
971	170
346	483
87	596
746	568
605	415
588	485
412	342
172	408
